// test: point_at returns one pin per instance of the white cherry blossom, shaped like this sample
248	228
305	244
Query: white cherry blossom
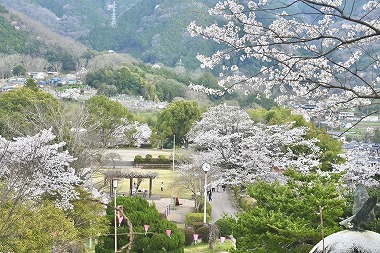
35	165
245	151
321	50
132	133
360	167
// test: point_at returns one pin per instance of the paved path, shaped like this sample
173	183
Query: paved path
222	203
176	214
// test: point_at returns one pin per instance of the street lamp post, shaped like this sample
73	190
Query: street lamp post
172	186
114	186
205	167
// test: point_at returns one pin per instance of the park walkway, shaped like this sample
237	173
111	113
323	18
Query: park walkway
176	214
222	203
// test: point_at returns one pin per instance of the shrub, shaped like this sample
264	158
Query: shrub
138	159
196	217
224	226
146	145
189	239
208	207
197	225
148	158
141	212
162	159
248	202
204	233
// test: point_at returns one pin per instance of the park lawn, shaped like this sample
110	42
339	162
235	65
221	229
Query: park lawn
204	248
164	175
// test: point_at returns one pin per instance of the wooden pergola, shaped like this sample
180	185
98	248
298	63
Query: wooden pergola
119	174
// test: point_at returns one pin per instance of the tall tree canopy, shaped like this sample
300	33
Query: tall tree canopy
33	165
32	168
322	50
177	120
331	148
36	228
105	117
26	111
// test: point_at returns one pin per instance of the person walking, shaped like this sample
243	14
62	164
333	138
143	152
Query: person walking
210	195
162	186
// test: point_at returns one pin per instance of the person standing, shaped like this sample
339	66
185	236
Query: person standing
162	186
209	195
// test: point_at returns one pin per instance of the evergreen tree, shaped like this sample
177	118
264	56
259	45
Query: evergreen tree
141	213
31	84
286	216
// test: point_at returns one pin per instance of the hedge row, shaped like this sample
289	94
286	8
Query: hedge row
192	218
150	160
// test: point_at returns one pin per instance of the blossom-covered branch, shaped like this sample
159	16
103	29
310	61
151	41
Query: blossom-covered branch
361	167
35	165
247	151
323	50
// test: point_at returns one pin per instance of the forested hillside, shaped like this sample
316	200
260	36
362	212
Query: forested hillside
11	40
153	31
26	41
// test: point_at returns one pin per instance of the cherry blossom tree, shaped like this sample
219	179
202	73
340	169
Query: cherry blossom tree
246	151
31	167
360	168
132	133
34	165
325	51
25	112
191	176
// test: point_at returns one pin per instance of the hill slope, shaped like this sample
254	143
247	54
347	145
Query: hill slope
25	40
154	30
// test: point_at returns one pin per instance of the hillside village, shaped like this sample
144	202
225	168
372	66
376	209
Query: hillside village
42	78
71	87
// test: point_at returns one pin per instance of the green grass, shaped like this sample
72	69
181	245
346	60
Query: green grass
366	124
166	176
204	248
362	126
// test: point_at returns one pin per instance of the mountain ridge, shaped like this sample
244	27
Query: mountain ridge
153	31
